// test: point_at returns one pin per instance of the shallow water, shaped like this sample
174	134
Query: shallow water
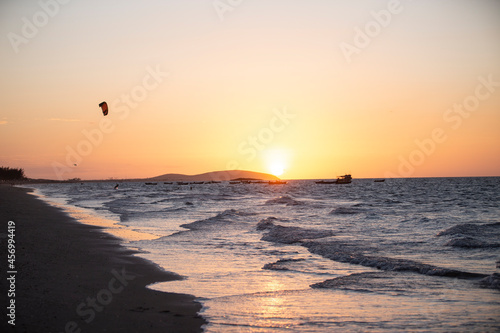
406	254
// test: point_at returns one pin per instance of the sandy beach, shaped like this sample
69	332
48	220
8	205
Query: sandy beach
71	277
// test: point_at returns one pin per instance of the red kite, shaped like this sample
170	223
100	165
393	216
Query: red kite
104	107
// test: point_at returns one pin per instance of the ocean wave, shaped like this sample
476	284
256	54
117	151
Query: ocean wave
470	243
234	212
340	252
393	283
362	204
226	217
288	235
119	202
491	282
389	201
473	236
366	282
471	229
281	265
160	201
346	211
174	210
284	200
266	223
351	253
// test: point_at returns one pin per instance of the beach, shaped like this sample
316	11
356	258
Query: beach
70	277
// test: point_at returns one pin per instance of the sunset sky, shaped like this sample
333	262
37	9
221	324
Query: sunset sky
302	89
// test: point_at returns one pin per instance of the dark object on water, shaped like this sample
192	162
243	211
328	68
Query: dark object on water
150	183
379	180
345	179
277	182
116	186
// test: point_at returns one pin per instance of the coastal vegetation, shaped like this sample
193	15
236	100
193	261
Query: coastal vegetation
7	173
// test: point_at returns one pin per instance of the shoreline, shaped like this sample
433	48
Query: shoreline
73	277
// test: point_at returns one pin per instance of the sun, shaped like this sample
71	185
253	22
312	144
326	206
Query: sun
276	161
276	168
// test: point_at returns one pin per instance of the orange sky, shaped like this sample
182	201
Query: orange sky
303	89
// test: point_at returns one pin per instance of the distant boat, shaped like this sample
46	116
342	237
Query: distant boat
182	183
326	182
277	182
379	180
345	179
150	183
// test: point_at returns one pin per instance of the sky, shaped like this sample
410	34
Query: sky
300	89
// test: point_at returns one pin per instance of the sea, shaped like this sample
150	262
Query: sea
419	254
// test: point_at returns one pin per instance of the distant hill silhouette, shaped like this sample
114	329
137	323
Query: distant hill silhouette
215	176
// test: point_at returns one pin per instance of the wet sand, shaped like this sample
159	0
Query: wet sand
73	277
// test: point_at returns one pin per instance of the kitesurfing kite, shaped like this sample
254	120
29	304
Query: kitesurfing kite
104	107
